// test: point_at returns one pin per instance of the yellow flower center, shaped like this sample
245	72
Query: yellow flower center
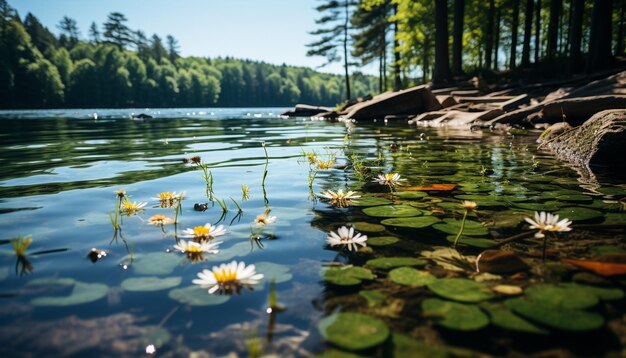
158	219
201	231
225	276
261	219
389	177
193	249
166	195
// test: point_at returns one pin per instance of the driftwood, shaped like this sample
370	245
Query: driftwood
414	100
576	111
601	140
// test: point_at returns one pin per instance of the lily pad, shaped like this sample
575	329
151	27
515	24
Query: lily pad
408	276
615	219
603	293
156	263
454	315
504	318
471	228
410	194
461	289
274	272
555	317
545	206
392	211
412	222
576	213
238	249
577	198
81	293
196	296
474	242
483	200
382	240
565	296
387	263
368	227
353	331
374	298
348	275
370	201
150	283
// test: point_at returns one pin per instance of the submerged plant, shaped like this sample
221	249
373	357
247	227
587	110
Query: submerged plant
545	221
207	175
223	205
347	238
339	198
21	244
228	278
391	180
468	206
239	209
120	195
267	162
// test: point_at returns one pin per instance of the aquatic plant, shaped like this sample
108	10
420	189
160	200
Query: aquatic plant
346	237
207	175
264	219
267	162
545	221
245	192
120	195
390	179
21	244
339	198
239	209
228	278
160	220
206	232
361	171
168	199
223	205
468	206
129	208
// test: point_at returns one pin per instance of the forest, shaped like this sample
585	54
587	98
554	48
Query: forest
410	41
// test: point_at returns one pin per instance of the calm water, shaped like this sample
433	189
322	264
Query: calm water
60	171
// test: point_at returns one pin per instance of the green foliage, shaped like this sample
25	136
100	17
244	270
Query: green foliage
353	331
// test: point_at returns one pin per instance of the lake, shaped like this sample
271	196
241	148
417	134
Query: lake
407	293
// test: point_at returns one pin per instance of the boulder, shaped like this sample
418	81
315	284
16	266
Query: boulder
305	110
576	110
553	130
413	100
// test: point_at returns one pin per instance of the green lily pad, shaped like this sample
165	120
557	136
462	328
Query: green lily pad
387	263
374	298
156	263
392	211
576	213
237	250
565	296
612	190
471	228
150	283
410	194
368	227
482	200
412	222
507	219
382	240
370	201
504	318
461	289
603	293
474	242
348	275
196	296
404	346
554	316
577	198
353	331
158	336
81	293
408	276
273	272
545	206
614	219
454	315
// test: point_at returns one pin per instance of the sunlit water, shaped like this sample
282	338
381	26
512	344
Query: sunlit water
61	168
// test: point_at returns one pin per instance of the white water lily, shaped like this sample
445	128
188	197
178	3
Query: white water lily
160	220
389	179
195	247
345	236
226	277
205	232
263	219
339	196
548	222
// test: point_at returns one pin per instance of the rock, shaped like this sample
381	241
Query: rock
576	110
305	110
553	130
601	141
327	115
501	262
447	101
413	100
402	117
142	116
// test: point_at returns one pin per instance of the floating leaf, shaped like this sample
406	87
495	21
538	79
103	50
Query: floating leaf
408	276
353	331
382	240
392	211
545	206
603	293
370	201
614	219
273	272
158	336
374	298
474	242
150	283
566	296
368	227
578	198
82	292
238	249
504	318
461	289
412	222
196	296
387	263
433	187
577	213
483	200
554	316
454	315
471	228
410	194
450	259
598	267
347	275
156	263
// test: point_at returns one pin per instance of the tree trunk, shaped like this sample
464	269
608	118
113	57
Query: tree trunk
457	45
576	31
489	34
600	56
553	28
397	81
345	50
496	41
442	60
514	25
619	48
528	26
538	31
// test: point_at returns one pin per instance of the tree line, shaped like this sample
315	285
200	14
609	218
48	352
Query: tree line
416	41
115	66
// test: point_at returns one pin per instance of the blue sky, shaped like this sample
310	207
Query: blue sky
274	31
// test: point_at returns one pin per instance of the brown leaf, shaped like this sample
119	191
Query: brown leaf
598	267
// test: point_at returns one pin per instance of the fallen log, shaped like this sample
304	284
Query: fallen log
576	111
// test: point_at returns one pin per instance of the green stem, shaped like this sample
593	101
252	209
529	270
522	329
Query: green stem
456	239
